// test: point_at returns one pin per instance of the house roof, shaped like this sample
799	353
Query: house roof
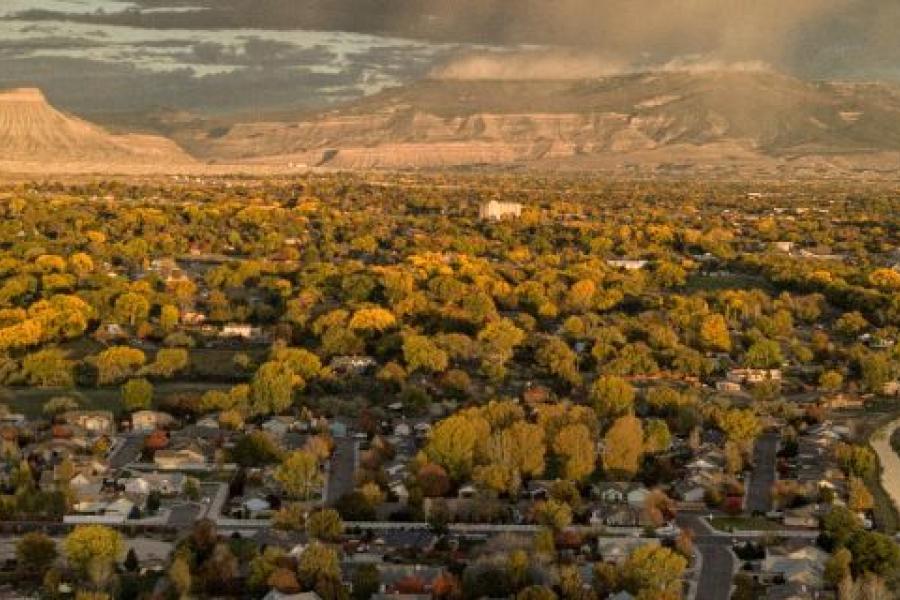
256	504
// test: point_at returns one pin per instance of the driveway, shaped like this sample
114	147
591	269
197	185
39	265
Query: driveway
759	497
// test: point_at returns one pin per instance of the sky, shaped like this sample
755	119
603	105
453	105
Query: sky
100	57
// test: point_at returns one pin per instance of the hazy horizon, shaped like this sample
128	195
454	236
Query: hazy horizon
99	57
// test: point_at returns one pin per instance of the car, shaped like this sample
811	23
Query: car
670	530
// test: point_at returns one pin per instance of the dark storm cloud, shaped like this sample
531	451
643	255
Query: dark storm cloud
92	88
19	47
254	52
808	37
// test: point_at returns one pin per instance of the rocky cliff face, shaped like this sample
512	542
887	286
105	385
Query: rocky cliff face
442	123
33	134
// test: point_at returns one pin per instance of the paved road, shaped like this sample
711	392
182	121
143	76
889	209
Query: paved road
183	515
890	462
716	572
759	497
717	562
341	471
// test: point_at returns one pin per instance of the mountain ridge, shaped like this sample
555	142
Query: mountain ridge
35	134
725	123
456	122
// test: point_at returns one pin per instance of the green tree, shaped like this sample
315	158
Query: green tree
420	352
561	361
256	449
553	514
169	317
272	388
740	425
58	405
299	474
132	308
856	459
575	447
714	333
118	363
35	553
92	543
654	570
873	552
536	592
657	437
373	319
317	561
764	354
831	381
623	446
180	576
302	362
137	394
877	369
325	525
838	567
839	525
261	568
48	368
612	396
452	444
168	362
366	582
860	498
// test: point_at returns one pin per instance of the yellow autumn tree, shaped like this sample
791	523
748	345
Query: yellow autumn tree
623	447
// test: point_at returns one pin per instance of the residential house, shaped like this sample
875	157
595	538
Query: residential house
111	331
728	387
352	365
494	210
783	246
399	490
843	401
627	264
753	375
150	420
278	426
166	484
190	317
806	516
467	492
638	496
256	508
338	429
616	515
617	550
610	493
241	330
120	508
94	422
184	458
804	566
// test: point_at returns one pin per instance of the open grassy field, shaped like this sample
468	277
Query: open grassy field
30	401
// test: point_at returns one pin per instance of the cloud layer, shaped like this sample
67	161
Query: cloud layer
97	56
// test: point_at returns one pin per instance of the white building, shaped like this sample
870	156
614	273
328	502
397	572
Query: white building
495	210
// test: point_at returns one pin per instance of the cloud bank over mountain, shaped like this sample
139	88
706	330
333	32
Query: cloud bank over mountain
213	56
